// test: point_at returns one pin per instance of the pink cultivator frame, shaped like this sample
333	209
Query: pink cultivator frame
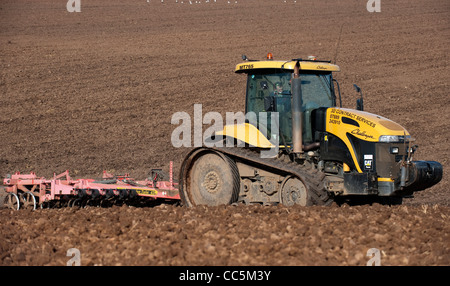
29	190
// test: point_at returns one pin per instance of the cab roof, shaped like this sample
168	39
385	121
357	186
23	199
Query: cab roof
314	65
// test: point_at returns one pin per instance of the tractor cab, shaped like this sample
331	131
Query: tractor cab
269	90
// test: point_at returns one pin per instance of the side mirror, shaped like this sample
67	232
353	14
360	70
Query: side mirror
359	101
360	104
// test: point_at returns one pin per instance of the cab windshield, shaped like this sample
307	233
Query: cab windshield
271	92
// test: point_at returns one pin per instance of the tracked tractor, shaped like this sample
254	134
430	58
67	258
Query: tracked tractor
321	152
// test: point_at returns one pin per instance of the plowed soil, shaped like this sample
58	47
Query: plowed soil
96	91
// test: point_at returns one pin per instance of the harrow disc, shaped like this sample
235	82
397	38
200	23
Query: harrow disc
77	203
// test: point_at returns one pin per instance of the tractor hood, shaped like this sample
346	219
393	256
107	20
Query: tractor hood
364	125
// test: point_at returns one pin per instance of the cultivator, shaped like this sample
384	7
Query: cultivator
29	191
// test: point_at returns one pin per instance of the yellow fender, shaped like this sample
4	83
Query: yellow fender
247	133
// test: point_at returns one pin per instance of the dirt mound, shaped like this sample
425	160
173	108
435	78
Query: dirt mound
96	91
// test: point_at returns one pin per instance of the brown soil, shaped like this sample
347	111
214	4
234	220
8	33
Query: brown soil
242	235
96	91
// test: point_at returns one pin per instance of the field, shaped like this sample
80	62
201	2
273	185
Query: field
96	90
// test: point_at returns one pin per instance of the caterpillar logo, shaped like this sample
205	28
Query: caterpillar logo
368	159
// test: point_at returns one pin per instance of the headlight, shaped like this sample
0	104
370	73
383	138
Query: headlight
389	138
394	138
394	150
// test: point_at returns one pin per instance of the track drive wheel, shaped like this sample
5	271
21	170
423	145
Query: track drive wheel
210	178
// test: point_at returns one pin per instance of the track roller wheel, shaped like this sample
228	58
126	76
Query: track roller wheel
28	201
294	192
12	201
209	178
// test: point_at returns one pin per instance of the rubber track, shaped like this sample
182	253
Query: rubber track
313	178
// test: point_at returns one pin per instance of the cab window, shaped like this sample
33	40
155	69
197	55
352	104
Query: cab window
270	91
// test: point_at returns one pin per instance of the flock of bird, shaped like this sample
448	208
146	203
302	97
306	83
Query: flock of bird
206	1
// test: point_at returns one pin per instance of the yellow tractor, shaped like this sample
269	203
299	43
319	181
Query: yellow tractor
304	149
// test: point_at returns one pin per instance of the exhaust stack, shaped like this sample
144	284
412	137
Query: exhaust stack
297	115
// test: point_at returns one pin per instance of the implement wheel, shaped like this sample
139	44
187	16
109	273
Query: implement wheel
209	178
12	201
28	201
